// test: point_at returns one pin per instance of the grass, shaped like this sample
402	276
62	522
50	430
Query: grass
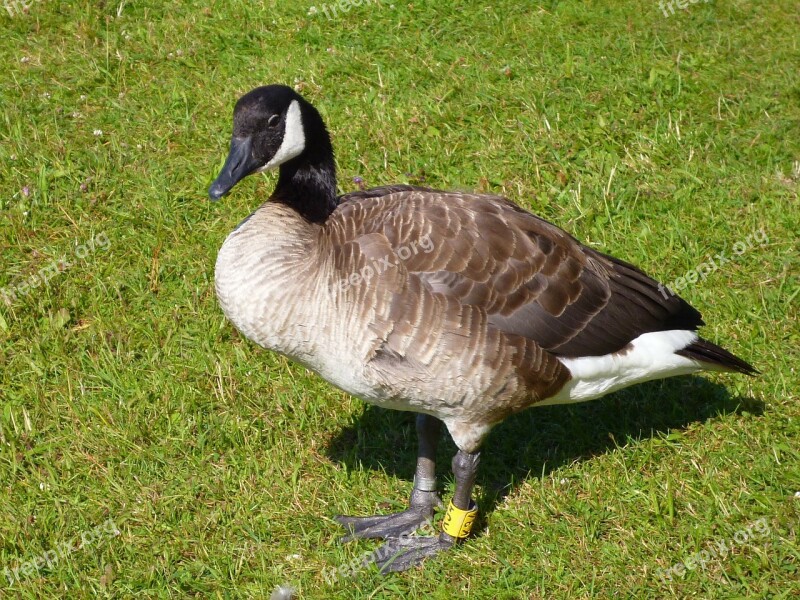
126	395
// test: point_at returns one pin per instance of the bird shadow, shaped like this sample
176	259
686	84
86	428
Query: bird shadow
538	441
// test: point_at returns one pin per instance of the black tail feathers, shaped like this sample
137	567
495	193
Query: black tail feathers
706	352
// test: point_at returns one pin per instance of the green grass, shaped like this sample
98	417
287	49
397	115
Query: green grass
127	396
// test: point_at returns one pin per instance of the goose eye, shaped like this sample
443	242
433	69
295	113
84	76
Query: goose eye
273	120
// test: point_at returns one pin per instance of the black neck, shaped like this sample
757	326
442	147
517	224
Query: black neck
308	184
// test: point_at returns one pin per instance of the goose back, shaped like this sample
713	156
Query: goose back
531	278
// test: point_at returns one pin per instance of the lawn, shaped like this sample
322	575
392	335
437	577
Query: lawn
147	450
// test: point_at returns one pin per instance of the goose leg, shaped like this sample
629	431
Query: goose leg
424	498
405	552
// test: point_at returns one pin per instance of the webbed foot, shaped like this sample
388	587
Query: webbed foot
419	514
400	554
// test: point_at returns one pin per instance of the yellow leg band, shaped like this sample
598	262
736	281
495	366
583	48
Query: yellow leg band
458	523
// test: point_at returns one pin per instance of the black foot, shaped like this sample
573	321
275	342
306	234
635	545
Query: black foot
386	526
405	552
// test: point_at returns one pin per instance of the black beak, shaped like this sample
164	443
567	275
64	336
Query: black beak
239	164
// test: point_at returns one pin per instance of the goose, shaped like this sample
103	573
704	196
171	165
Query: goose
463	308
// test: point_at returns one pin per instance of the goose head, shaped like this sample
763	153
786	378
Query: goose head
276	128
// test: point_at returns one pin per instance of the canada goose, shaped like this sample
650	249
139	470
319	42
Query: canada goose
461	307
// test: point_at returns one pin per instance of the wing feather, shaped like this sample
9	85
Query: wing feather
530	277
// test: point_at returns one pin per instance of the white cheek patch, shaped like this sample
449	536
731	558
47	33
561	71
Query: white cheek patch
294	138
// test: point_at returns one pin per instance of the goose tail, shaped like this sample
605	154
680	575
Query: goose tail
716	357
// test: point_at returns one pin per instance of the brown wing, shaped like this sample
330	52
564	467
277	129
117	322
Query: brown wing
532	278
415	335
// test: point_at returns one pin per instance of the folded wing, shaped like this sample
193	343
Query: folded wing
530	277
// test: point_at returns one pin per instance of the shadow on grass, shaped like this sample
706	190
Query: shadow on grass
537	441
